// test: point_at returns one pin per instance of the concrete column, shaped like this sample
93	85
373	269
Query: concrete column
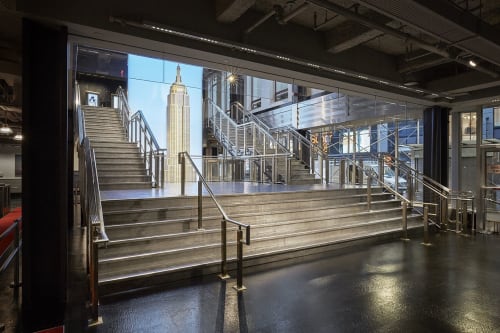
46	164
436	145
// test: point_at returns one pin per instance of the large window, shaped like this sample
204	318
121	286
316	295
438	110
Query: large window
256	92
280	91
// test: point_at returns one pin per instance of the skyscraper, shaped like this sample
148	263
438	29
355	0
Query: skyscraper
178	110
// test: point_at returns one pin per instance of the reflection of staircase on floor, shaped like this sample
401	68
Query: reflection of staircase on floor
156	240
119	163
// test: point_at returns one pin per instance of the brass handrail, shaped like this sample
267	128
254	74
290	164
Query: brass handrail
225	218
90	206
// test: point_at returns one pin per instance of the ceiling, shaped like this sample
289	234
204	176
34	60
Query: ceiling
438	51
448	48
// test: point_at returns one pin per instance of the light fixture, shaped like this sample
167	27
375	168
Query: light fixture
234	46
231	78
18	137
472	63
5	129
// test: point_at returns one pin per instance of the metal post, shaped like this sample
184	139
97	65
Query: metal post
151	160
459	216
426	226
200	206
143	144
223	251
239	263
342	173
381	168
405	221
327	170
444	212
16	258
262	166
464	216
369	193
396	155
94	292
182	161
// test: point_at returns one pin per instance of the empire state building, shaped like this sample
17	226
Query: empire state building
178	126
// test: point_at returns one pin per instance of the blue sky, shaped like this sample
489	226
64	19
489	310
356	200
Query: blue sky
149	82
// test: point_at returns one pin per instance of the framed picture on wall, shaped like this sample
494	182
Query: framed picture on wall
92	98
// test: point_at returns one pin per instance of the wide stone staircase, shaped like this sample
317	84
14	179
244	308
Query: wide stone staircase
153	241
119	163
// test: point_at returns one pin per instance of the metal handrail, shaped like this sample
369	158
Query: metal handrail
123	109
225	219
153	156
250	115
312	148
254	138
15	252
138	131
91	207
290	131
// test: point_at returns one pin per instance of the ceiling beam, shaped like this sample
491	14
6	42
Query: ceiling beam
228	11
463	83
422	63
348	35
396	33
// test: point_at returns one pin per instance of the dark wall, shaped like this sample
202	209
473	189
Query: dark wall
46	196
103	86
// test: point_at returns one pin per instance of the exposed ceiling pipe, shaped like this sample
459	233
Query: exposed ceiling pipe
259	22
394	32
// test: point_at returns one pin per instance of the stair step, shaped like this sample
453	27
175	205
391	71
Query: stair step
124	186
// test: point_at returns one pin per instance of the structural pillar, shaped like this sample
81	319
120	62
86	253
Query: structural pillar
46	193
436	146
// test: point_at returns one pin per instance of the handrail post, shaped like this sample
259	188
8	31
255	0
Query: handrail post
464	216
327	170
182	162
16	284
342	172
405	221
369	192
426	226
94	292
239	262
223	274
444	212
200	205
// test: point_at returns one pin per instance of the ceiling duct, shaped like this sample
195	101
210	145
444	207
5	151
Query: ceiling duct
446	22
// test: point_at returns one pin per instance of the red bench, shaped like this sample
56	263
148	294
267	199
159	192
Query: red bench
6	222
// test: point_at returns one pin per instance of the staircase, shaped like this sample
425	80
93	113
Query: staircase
156	240
252	138
119	163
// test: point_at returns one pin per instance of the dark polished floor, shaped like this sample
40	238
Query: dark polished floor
451	286
395	286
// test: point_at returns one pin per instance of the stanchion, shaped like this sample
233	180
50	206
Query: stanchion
464	217
405	222
200	206
223	269
426	227
239	263
369	192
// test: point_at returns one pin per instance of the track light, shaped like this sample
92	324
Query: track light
5	129
472	63
18	137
